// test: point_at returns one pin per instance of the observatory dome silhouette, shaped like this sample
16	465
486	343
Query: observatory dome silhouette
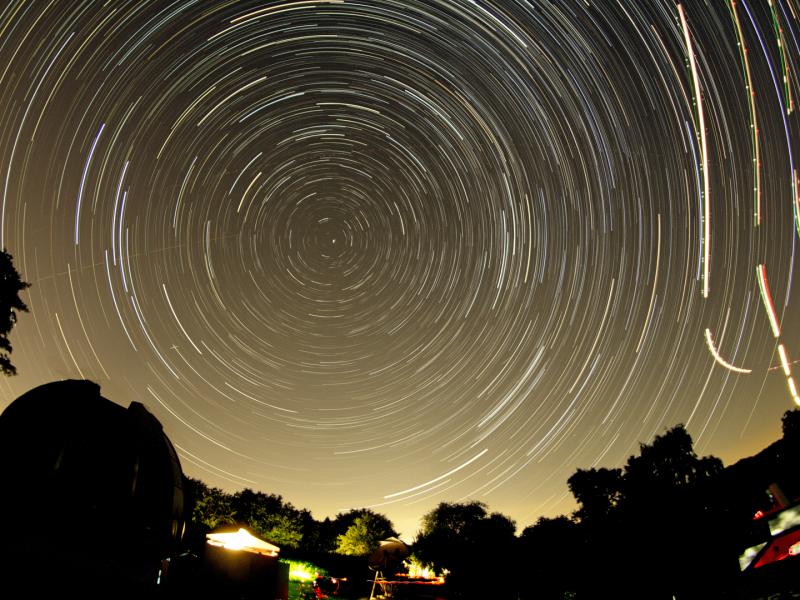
93	485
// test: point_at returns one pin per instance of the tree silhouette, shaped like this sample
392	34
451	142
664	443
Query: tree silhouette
365	534
347	519
597	491
11	285
549	548
456	535
212	506
326	537
667	465
791	425
268	515
638	523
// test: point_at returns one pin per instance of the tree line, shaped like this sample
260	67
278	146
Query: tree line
668	524
355	533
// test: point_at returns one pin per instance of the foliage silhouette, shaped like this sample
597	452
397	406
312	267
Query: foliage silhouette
669	464
271	517
345	520
597	491
637	523
212	506
10	287
791	425
548	548
455	536
365	534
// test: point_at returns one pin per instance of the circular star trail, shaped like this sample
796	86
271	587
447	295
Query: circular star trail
387	253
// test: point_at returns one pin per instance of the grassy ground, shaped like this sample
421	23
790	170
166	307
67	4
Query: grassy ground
297	589
301	590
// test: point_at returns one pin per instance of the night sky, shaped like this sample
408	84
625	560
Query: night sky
387	254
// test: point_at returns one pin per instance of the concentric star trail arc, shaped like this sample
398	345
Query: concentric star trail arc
347	248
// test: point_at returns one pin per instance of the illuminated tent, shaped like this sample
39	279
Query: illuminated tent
236	561
239	537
